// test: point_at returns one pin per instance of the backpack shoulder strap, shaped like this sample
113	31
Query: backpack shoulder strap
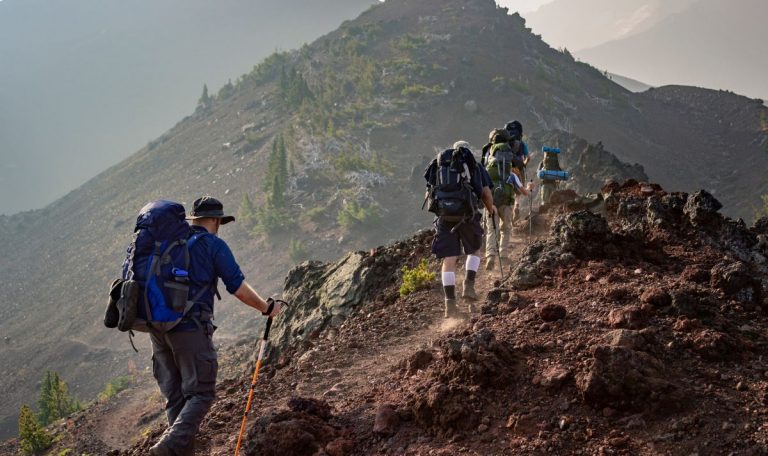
196	237
214	285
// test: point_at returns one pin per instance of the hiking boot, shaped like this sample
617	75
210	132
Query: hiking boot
469	293
451	311
164	448
490	263
161	448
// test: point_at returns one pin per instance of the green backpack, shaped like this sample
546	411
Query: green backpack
500	162
551	162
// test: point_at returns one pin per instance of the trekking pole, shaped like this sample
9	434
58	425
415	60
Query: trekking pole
259	360
496	235
530	215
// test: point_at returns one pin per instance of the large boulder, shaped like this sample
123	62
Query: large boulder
701	208
735	279
625	379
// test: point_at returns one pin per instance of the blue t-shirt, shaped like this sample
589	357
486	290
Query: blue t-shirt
210	259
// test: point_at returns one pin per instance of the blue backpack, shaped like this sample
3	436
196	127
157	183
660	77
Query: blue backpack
154	295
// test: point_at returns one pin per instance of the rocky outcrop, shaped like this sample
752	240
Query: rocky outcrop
324	295
638	217
590	165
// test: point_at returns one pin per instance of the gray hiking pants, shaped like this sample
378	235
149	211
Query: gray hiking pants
503	231
185	366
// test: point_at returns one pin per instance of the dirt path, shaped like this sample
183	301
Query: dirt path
142	405
362	369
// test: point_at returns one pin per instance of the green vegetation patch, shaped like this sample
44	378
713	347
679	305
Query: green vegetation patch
418	278
354	216
33	439
115	386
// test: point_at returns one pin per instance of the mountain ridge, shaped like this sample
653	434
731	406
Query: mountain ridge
719	45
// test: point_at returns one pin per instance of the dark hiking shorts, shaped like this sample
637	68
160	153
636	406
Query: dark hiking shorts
467	239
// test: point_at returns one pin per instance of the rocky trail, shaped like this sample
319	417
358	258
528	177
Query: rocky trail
638	329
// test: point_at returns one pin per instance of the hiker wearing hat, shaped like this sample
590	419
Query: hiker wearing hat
456	184
184	360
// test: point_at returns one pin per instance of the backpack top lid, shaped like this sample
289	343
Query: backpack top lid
164	220
498	135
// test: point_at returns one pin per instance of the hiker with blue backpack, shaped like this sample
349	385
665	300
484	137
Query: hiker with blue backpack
456	184
169	281
550	173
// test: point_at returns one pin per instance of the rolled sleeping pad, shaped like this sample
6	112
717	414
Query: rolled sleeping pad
554	175
551	150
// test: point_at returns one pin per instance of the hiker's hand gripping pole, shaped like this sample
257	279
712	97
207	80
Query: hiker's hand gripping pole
254	380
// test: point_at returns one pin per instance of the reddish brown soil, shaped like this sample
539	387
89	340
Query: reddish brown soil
650	339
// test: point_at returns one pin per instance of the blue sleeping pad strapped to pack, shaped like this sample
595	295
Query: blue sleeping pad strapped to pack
158	259
551	150
554	175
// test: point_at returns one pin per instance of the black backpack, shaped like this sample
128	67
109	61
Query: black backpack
451	196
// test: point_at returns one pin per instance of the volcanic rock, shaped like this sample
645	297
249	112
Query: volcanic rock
627	317
701	208
552	312
386	422
626	379
657	297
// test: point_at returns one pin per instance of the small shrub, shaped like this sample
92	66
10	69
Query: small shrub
354	216
316	213
519	85
114	386
246	213
418	278
296	250
419	90
272	220
408	43
764	211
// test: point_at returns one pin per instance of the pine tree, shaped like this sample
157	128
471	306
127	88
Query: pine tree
277	174
55	401
32	437
205	100
246	213
282	163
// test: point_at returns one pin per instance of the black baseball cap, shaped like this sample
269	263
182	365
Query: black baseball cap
209	207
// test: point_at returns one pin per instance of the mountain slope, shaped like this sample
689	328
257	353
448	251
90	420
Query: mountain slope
361	111
84	83
589	23
720	43
629	83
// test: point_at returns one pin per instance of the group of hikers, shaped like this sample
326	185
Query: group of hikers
457	183
174	263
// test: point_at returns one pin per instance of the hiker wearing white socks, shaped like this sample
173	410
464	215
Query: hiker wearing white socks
456	184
